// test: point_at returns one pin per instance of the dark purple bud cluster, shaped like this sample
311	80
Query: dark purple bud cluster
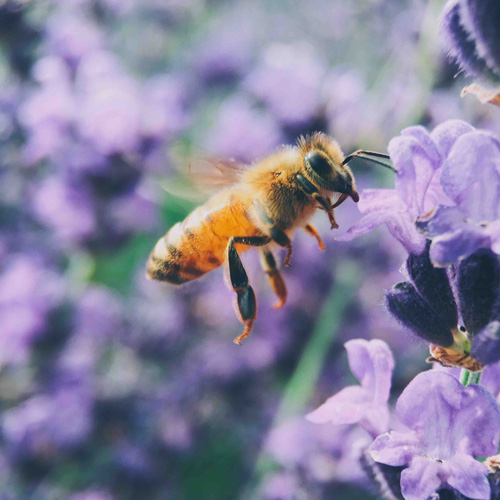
471	35
387	479
427	306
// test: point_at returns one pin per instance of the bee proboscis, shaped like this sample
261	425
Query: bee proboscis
267	203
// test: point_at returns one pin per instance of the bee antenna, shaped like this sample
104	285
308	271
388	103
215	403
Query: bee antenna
369	156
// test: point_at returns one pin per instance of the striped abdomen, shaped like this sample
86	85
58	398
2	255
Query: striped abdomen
198	244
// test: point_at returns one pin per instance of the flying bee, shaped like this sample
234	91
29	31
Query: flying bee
263	206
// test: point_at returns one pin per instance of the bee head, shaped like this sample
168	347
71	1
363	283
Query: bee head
325	172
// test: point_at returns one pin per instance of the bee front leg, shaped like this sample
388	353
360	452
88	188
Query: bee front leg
324	203
310	229
275	233
246	301
277	282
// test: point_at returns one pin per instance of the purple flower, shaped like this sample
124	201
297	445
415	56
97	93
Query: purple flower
98	313
91	495
450	425
470	177
164	110
324	452
471	36
72	35
372	363
288	80
440	193
59	420
29	292
133	212
109	112
224	53
283	486
65	207
243	132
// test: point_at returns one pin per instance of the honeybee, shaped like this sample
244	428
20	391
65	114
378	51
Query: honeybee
262	207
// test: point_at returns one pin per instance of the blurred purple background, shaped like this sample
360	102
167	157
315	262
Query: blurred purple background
116	388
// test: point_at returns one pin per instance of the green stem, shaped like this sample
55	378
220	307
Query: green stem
464	376
475	377
301	385
469	378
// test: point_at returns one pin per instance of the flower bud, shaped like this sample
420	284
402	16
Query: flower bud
408	306
471	36
386	477
433	285
486	344
478	287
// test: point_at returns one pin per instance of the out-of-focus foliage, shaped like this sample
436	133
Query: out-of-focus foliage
116	388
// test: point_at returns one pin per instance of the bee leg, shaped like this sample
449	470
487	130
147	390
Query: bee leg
246	301
325	203
275	279
309	228
275	233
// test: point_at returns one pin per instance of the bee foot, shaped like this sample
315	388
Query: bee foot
246	332
279	304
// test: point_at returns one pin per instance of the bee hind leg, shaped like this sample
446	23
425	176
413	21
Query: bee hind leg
310	229
277	282
275	233
245	301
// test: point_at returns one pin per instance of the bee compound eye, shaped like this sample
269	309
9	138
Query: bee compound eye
318	163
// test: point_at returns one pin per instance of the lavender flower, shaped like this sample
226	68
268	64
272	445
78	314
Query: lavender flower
372	363
450	425
440	193
48	423
288	81
428	308
243	132
471	37
29	292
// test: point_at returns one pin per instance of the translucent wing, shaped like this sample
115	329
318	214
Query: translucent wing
211	174
200	177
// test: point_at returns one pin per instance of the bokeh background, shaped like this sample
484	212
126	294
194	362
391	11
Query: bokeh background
113	387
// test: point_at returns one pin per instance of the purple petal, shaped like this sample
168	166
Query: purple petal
443	220
403	228
364	226
493	231
384	206
415	167
452	247
471	176
486	344
476	427
400	225
372	363
449	417
468	476
446	134
372	200
395	448
423	137
376	419
346	407
428	403
421	479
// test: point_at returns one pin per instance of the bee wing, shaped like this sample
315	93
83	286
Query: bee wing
204	176
210	174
